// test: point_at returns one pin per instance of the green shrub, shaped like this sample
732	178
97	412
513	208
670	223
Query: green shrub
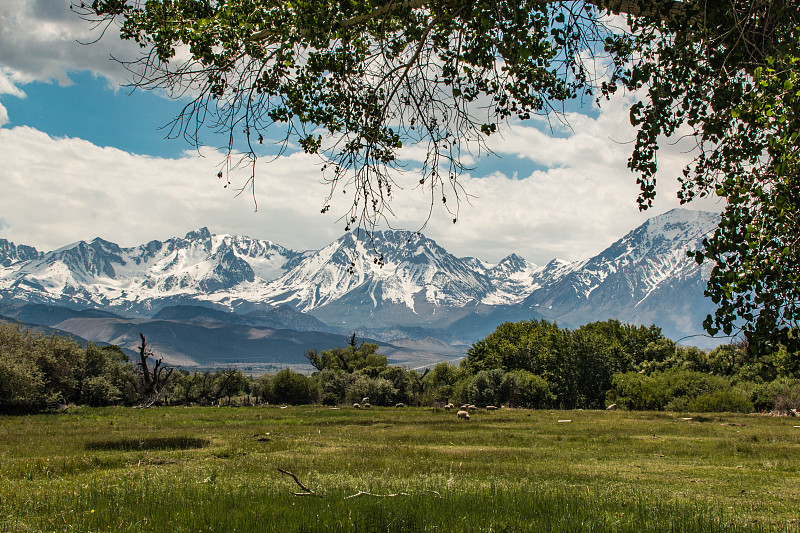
292	388
460	390
521	388
98	391
721	401
787	399
329	398
484	389
22	385
780	395
332	385
637	392
379	390
678	405
673	390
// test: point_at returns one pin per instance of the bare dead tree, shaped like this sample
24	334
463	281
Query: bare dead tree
152	379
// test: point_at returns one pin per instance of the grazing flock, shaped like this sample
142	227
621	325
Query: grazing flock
462	414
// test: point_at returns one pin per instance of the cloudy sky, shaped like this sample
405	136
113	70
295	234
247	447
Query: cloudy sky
83	157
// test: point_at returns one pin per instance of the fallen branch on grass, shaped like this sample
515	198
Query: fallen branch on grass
308	492
362	493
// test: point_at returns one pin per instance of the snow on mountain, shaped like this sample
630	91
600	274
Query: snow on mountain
644	258
100	273
395	267
11	253
644	277
514	278
393	278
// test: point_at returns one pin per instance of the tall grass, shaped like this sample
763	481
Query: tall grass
214	469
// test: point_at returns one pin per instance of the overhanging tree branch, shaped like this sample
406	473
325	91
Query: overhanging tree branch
356	84
669	9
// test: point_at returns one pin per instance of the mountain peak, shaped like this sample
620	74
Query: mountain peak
678	218
11	253
513	262
201	234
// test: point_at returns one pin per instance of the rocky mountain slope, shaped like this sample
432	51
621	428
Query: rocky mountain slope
398	284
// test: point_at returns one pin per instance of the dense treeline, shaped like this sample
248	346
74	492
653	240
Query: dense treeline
533	364
637	367
39	371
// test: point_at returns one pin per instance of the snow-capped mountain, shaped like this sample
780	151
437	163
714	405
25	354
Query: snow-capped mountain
394	267
645	277
391	279
102	274
11	253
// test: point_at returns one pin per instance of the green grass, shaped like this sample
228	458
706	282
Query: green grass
214	469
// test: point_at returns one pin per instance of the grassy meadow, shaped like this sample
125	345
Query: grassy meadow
177	469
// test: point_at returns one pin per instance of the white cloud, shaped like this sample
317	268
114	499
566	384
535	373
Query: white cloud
41	41
581	204
62	190
7	84
58	191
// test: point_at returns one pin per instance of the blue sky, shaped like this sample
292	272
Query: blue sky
90	109
83	156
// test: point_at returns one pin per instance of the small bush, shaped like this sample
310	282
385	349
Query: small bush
484	389
520	388
379	390
788	400
98	391
680	404
723	401
329	398
671	390
22	385
780	395
293	388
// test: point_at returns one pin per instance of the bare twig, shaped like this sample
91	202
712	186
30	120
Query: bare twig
308	492
362	493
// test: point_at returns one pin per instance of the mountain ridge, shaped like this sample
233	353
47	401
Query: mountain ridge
397	281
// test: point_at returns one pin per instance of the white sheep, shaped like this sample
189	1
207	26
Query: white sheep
366	405
365	400
449	406
463	414
399	404
356	406
491	408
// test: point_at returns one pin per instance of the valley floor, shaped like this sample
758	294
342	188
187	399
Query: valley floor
413	469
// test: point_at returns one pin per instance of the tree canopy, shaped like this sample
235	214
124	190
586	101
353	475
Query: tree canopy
357	81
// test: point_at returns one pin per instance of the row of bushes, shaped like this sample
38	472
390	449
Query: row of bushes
38	371
532	364
668	390
686	390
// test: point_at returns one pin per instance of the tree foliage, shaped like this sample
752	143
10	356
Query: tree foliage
292	388
577	364
358	81
349	359
533	364
38	372
606	362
